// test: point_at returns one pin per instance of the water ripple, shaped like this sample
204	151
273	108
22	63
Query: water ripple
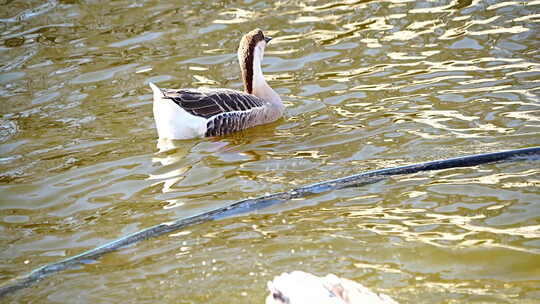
367	84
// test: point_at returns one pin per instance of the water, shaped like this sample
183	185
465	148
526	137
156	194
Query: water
367	85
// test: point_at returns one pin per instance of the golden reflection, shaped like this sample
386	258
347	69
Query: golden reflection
288	38
346	113
513	30
529	232
280	77
180	233
310	19
453	6
344	76
143	70
203	80
371	42
348	128
478	90
461	288
522	185
494	179
532	18
504	4
337	5
403	56
445	119
413	194
171	152
173	203
326	37
444	230
383	268
198	68
416	25
403	35
236	15
309	154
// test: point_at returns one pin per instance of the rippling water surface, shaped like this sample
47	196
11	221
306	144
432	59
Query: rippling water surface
367	84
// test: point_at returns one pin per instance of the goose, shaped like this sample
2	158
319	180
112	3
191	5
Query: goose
298	287
193	113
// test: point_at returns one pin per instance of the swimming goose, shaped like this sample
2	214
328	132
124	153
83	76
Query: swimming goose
191	113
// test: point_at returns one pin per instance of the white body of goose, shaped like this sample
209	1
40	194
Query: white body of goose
300	287
191	113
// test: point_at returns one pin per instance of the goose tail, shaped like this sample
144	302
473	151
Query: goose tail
158	94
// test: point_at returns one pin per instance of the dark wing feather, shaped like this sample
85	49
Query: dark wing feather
227	123
210	103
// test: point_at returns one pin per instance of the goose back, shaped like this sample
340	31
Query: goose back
225	110
208	103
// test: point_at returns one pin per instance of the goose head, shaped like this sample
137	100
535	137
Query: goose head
250	56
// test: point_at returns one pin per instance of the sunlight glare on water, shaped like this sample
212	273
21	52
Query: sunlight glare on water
367	85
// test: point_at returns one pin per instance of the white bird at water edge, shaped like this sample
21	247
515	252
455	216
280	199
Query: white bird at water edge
300	287
192	113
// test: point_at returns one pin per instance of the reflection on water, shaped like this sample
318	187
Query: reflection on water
367	84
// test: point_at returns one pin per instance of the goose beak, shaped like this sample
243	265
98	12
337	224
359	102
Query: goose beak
267	39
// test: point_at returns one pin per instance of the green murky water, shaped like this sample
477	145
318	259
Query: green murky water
367	84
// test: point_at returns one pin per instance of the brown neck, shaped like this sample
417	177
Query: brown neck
246	54
246	65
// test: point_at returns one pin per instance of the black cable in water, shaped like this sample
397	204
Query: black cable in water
252	204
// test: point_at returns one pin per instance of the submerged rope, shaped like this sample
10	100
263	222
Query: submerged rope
252	204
